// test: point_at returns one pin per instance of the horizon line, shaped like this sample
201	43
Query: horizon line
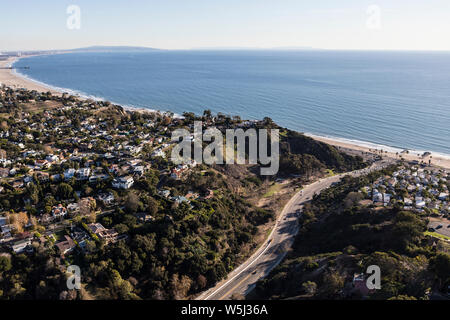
219	48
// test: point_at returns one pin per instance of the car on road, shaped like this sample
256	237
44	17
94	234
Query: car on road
431	229
254	272
439	226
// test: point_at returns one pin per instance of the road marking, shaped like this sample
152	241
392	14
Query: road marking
240	272
232	289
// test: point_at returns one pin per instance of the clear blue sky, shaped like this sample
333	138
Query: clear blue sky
184	24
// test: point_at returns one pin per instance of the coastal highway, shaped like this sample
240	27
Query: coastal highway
243	279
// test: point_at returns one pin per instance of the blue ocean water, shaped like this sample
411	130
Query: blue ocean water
398	99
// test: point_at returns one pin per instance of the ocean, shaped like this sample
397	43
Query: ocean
392	99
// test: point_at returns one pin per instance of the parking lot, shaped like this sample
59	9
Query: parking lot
444	223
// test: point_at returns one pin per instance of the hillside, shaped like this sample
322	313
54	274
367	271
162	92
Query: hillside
340	237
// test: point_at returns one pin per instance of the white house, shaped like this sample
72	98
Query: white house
443	196
69	173
83	173
21	245
73	208
407	202
3	221
387	198
158	153
420	204
52	158
123	182
106	198
377	197
164	193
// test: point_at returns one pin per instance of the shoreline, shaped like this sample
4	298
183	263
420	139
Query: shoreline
16	80
13	79
385	151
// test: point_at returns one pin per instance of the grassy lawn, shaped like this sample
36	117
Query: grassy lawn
272	190
436	235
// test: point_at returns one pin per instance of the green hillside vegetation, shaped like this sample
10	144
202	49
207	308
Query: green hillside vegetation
339	238
304	155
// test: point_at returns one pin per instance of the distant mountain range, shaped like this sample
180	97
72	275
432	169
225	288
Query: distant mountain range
256	48
143	49
86	49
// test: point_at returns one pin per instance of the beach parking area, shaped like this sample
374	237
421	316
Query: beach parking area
436	160
440	225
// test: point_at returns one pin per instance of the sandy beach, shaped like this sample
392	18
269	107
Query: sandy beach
436	159
10	79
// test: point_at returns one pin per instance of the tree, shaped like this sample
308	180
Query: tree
207	114
33	193
309	287
121	287
5	264
332	284
402	297
92	217
85	207
237	296
201	281
440	264
132	203
180	286
19	220
152	206
64	191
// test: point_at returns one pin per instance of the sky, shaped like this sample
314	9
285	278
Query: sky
187	24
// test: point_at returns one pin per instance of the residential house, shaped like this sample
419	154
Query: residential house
69	174
59	211
66	246
83	173
123	182
21	245
106	198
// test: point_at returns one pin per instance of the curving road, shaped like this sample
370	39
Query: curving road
243	279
